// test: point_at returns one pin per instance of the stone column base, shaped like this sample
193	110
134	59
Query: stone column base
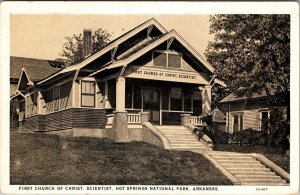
185	119
120	127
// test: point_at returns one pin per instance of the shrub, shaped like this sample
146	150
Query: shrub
247	137
277	136
216	136
279	130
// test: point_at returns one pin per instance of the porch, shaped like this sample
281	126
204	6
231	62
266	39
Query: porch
163	101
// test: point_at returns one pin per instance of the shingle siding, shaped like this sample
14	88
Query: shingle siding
67	119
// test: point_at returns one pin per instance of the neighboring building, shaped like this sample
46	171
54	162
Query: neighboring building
20	69
247	112
147	74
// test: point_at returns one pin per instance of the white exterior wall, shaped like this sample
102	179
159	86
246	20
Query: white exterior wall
252	119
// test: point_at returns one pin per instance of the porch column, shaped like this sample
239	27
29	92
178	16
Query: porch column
41	104
120	115
120	94
206	99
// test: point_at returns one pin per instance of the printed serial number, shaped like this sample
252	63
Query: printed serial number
261	189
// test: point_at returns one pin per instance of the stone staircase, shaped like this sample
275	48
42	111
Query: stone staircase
181	138
247	169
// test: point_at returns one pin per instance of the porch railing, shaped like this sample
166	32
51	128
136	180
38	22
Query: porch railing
196	120
133	118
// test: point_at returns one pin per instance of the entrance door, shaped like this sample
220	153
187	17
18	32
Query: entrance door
151	104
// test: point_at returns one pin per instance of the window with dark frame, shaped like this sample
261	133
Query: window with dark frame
87	93
56	93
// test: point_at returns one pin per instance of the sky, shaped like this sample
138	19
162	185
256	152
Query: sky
42	36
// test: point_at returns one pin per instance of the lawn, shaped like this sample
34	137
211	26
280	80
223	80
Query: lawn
43	159
274	154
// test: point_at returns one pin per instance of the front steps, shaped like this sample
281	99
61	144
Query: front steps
181	138
247	169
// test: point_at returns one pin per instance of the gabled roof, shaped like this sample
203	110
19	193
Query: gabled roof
110	46
37	69
234	97
135	51
161	39
151	44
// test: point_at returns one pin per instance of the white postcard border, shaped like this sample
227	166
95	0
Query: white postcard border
177	8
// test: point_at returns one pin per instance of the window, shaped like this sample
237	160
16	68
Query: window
56	93
197	102
238	121
159	59
171	60
87	93
174	60
176	99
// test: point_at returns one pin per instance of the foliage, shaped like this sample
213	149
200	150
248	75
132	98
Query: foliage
251	53
279	130
73	46
247	137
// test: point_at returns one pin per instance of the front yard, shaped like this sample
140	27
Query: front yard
273	154
43	159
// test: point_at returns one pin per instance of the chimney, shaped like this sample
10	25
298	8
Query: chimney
87	42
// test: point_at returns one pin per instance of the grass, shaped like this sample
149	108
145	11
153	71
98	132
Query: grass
274	154
43	159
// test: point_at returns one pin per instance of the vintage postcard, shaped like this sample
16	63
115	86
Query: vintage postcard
149	98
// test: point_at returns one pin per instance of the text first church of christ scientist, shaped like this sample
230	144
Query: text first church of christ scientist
146	78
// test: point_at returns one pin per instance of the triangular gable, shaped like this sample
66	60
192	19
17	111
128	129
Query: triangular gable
172	34
110	47
24	80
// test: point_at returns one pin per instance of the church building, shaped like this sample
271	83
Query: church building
147	75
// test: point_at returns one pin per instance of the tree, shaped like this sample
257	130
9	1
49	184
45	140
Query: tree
73	46
251	53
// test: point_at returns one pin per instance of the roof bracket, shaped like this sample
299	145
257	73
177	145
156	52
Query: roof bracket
113	53
149	30
123	70
170	41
